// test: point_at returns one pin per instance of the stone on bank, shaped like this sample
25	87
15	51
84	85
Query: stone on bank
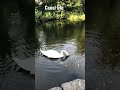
77	84
55	88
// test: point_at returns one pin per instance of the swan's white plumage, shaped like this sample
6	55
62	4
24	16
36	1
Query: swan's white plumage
53	54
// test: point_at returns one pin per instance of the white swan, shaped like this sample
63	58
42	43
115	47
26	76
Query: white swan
54	54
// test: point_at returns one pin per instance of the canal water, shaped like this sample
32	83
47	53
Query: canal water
103	45
58	36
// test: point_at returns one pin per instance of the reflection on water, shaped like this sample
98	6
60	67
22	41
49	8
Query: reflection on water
16	42
103	48
60	36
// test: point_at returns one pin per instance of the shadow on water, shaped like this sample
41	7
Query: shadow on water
17	39
103	46
58	36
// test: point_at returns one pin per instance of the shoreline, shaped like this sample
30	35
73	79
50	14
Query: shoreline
77	84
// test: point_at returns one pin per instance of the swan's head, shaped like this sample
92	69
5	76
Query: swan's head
64	53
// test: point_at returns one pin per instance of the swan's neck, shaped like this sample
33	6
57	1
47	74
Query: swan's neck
64	53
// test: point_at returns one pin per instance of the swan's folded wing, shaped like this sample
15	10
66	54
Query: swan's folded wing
54	54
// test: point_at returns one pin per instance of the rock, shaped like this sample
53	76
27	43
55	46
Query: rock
74	85
55	88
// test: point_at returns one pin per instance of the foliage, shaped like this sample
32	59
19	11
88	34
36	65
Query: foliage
76	18
73	10
38	15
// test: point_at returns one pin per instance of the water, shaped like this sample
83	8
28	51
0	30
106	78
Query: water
103	46
60	35
16	49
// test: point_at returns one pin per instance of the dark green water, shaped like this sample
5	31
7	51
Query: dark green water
60	35
103	45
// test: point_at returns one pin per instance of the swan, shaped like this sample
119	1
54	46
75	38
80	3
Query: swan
54	54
